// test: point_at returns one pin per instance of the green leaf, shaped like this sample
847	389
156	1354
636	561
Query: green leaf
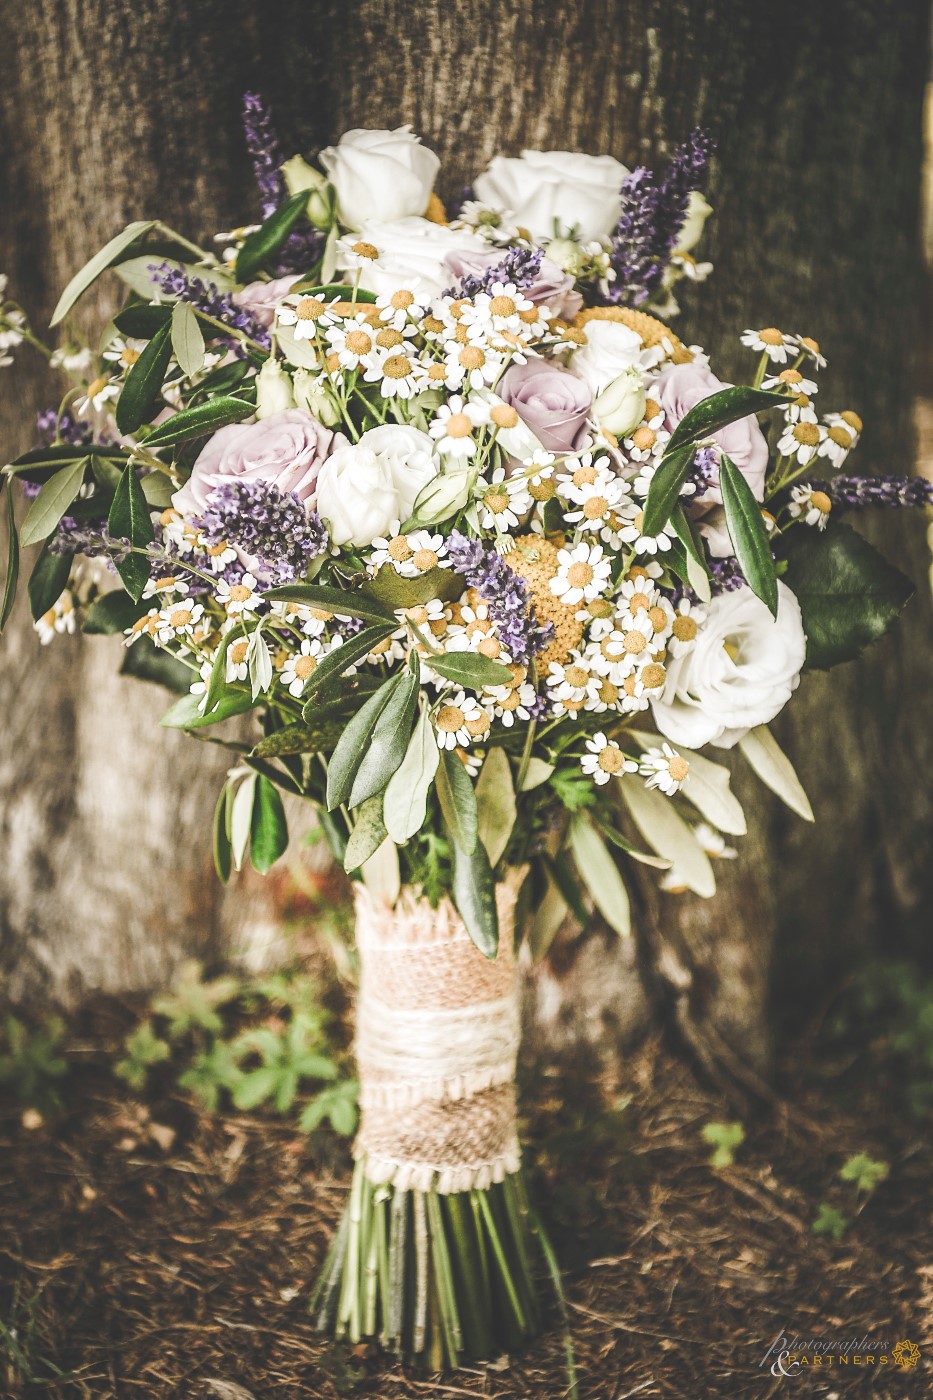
830	1221
336	662
269	237
470	669
388	743
665	830
184	714
615	838
348	603
664	491
698	570
157	489
538	772
141	321
98	264
129	520
147	662
474	894
339	290
52	502
48	580
198	421
775	770
368	834
748	534
457	797
601	875
848	593
12	558
407	794
255	1087
724	1138
223	852
268	827
187	340
348	755
391	589
217	681
719	410
495	804
570	891
866	1172
114	612
294	738
143	384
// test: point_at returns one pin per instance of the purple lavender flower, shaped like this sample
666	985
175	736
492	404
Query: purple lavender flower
303	247
506	594
268	525
206	297
889	491
652	215
520	266
52	428
88	538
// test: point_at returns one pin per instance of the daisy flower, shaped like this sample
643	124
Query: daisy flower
473	364
58	619
301	666
165	587
142	627
458	720
178	532
397	309
306	315
399	374
842	434
664	769
97	395
625	648
811	349
237	660
238	599
596	502
177	621
124	353
582	573
604	759
454	424
631	533
801	440
792	380
353	342
502	503
645	442
811	506
771	342
688	619
512	702
573	680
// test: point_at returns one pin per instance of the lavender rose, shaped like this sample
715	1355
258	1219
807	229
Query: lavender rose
678	389
261	298
551	287
286	450
551	401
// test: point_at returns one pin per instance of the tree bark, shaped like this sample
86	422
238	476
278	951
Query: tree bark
816	188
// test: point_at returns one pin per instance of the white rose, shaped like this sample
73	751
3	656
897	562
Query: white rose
542	189
411	254
691	230
273	390
610	349
409	455
356	497
621	405
741	672
381	175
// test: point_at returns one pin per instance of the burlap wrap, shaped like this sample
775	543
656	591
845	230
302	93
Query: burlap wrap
436	1044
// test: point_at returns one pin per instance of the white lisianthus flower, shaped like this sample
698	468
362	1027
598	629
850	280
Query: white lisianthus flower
380	175
741	672
691	230
356	496
410	254
620	407
611	348
551	193
273	389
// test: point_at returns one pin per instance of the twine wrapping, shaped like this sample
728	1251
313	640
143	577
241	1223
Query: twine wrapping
436	1044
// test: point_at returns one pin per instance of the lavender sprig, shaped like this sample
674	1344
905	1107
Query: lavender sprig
67	429
652	215
889	491
506	594
520	267
304	246
269	525
209	299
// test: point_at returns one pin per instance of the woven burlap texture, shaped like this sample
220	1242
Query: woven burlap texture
436	1045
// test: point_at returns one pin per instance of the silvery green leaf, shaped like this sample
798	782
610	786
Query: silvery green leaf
666	831
302	353
537	772
52	502
90	272
381	874
775	770
495	804
241	815
187	340
259	660
368	834
407	794
550	913
600	874
329	260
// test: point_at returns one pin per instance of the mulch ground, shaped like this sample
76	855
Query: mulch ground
140	1261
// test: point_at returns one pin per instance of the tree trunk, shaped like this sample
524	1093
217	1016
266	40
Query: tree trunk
816	190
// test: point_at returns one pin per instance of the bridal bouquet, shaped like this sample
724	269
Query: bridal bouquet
483	555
